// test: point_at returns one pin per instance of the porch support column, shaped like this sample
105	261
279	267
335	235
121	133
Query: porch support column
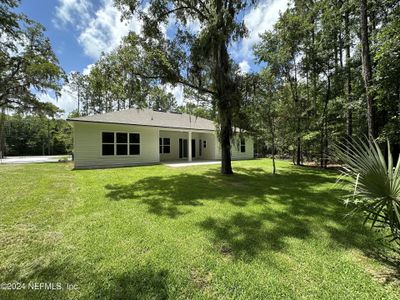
190	146
158	148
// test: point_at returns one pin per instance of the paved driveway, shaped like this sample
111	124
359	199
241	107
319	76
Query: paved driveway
33	159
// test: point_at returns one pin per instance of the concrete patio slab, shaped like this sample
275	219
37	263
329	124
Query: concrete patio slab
180	163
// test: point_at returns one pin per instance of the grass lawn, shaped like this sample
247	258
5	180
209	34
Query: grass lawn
186	233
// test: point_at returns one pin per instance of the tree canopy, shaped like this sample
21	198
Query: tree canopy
28	65
318	61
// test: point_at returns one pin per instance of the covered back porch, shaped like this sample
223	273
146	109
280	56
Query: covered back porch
186	145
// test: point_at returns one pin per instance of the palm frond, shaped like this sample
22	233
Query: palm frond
375	183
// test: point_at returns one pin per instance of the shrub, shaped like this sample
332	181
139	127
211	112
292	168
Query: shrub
375	183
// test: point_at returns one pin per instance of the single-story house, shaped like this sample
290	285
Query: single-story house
143	136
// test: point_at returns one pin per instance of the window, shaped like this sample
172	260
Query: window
242	145
204	144
120	143
134	144
107	143
165	145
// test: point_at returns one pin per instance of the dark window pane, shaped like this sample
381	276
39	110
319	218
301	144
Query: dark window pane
242	145
108	137
161	147
159	142
134	149
205	144
122	149
108	149
134	138
167	149
166	141
122	137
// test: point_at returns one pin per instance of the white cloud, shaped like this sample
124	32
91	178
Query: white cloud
67	101
98	30
75	12
177	91
87	69
258	20
105	30
244	67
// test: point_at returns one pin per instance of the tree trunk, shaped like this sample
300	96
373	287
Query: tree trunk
273	160
225	93
348	87
295	96
273	147
2	133
321	161
367	69
314	70
272	131
324	127
225	141
298	149
326	157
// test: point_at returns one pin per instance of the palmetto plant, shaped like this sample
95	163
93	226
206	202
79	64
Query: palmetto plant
375	182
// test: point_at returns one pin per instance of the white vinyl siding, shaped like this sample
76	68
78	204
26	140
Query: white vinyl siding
88	145
236	148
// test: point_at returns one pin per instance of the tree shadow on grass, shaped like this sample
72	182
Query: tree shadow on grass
289	205
243	236
55	273
138	283
165	195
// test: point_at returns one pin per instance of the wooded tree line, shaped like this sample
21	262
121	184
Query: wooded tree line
35	135
28	68
332	74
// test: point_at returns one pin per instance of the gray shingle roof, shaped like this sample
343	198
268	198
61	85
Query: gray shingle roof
148	117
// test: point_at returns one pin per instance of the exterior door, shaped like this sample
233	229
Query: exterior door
193	148
183	148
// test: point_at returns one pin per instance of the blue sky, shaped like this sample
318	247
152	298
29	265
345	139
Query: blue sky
80	30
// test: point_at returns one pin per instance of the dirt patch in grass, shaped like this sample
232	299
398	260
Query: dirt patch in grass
388	272
200	279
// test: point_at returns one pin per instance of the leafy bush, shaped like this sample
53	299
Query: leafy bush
375	183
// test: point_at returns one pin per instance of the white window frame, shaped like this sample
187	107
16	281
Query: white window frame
115	143
162	145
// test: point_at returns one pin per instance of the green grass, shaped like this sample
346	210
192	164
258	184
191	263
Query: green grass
189	233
